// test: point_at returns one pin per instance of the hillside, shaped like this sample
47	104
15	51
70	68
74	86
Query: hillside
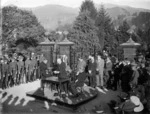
51	16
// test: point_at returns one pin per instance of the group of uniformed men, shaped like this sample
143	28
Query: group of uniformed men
17	69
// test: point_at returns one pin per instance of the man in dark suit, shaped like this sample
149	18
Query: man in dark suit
61	69
92	72
43	71
81	77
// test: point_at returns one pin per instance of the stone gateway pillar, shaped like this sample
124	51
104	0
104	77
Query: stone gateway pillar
129	49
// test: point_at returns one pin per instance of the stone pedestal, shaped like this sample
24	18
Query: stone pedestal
129	49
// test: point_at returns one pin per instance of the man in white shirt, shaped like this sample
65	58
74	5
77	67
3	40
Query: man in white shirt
100	70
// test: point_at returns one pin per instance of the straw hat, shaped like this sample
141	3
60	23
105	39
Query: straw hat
133	64
139	106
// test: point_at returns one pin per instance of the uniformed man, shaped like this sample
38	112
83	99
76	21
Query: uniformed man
20	70
1	68
13	70
27	69
34	67
5	72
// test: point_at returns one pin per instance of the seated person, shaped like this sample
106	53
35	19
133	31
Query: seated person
62	74
81	77
61	69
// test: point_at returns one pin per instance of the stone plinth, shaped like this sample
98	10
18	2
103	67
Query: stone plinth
130	48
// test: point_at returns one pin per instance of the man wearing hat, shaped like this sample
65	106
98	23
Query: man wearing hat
132	105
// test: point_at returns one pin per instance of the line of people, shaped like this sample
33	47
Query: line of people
18	69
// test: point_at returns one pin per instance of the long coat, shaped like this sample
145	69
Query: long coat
134	78
92	67
43	68
62	71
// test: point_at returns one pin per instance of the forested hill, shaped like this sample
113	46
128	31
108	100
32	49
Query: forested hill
51	16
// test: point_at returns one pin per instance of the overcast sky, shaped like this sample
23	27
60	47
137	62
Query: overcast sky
76	3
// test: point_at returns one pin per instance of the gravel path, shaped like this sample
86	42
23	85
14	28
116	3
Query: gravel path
15	101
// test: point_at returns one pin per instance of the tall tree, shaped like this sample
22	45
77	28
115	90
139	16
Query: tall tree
142	20
20	26
105	28
84	33
89	5
123	30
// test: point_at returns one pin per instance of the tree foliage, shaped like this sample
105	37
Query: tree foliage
84	33
123	32
20	26
89	5
142	20
105	28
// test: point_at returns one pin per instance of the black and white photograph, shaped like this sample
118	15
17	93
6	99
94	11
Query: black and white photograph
74	56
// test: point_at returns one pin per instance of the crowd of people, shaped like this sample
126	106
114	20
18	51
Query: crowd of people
17	69
100	71
103	71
